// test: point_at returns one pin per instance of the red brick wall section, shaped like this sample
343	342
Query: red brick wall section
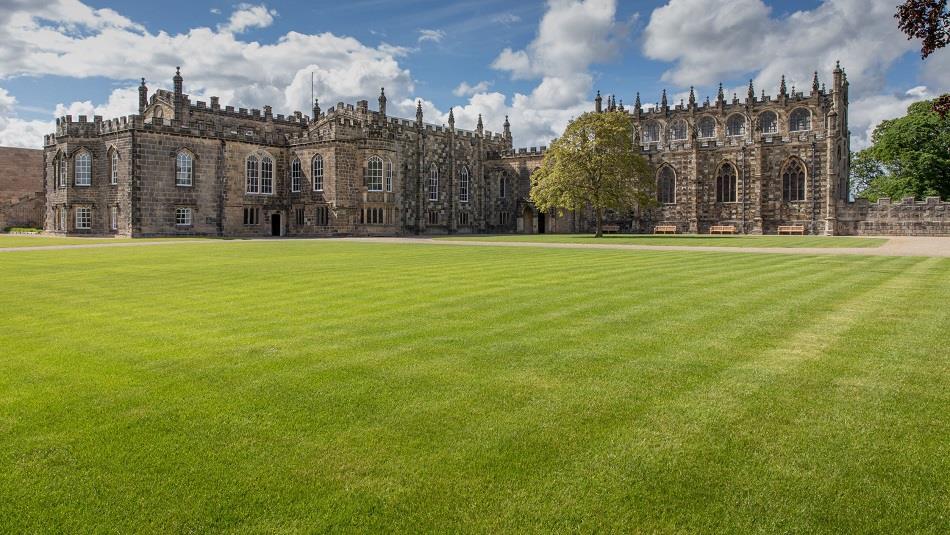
21	173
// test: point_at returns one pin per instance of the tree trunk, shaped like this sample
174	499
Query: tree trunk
600	223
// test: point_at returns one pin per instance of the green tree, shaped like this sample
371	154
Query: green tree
594	164
909	156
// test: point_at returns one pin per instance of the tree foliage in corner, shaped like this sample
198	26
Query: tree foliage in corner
909	156
929	21
594	164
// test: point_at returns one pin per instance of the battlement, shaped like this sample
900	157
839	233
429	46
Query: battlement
524	151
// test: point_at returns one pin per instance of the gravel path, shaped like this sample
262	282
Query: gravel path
895	246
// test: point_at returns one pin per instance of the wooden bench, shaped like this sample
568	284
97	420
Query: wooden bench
664	229
611	228
722	229
791	229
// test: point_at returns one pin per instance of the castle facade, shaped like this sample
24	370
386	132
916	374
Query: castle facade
184	168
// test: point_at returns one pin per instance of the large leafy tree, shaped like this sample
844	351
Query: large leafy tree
908	156
594	164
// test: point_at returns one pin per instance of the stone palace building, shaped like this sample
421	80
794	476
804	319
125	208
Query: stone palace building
191	168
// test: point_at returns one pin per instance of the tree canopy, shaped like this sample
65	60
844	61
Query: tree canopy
908	156
594	164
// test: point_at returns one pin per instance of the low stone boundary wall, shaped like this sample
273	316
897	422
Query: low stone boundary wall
909	217
28	211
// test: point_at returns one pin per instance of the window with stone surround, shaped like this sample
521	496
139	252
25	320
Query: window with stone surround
503	187
317	166
83	171
114	217
252	216
62	217
666	185
726	183
374	174
83	218
433	217
114	167
184	169
463	184
503	218
651	132
182	217
735	126
322	216
678	130
267	176
389	175
768	123
799	120
253	179
793	181
464	219
295	173
707	128
299	216
433	183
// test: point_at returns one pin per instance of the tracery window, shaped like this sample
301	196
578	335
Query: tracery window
678	130
184	169
651	132
726	183
768	123
735	126
799	120
463	185
666	185
707	127
793	181
83	169
374	174
317	166
433	183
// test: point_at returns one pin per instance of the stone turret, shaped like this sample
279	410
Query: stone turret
782	92
480	128
143	97
692	97
316	109
637	108
419	113
750	96
814	84
598	101
507	131
382	101
663	103
452	118
720	97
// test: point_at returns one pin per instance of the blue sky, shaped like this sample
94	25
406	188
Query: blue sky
539	62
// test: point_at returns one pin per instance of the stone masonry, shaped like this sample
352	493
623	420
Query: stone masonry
21	187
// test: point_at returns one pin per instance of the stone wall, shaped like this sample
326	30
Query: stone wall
908	217
21	187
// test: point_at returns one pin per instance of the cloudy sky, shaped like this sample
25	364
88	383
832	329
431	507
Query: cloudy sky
539	62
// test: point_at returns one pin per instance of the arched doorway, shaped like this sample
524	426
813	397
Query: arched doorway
542	221
527	218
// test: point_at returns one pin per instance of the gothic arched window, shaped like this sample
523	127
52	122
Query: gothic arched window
317	167
793	181
651	132
707	127
463	184
503	187
295	174
735	126
768	123
267	175
666	185
374	174
678	130
114	167
433	183
83	171
184	169
726	183
253	176
389	175
799	120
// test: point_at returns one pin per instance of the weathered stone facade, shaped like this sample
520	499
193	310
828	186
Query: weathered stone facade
21	187
183	168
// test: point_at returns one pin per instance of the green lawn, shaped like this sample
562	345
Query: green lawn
330	386
26	240
686	240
